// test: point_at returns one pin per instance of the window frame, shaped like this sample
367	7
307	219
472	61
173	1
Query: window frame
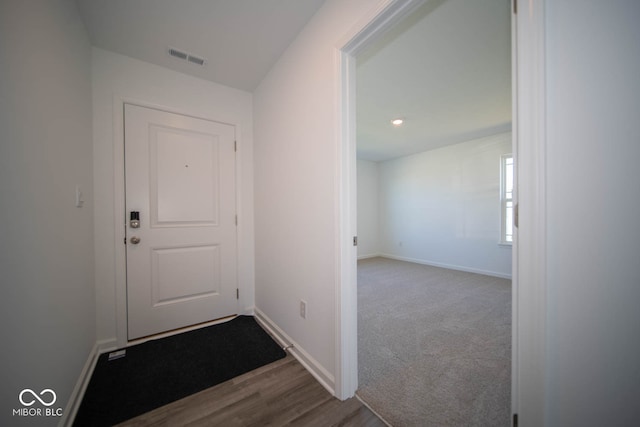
506	200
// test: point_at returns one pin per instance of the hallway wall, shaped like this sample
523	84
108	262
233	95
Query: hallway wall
296	146
593	205
47	308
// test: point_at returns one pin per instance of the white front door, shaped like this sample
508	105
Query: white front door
180	182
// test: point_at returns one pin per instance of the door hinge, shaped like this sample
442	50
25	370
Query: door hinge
355	240
236	220
235	146
515	420
516	215
237	293
515	7
125	241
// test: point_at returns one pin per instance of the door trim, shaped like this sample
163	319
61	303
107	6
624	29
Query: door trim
119	216
530	266
370	27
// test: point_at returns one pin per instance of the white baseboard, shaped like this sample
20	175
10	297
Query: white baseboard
77	394
449	266
368	256
323	376
105	346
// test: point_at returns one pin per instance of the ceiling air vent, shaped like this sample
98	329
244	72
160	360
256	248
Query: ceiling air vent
178	54
186	56
195	60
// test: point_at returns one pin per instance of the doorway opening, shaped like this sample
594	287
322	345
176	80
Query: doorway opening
383	31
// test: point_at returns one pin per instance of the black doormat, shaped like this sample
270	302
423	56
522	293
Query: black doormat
161	371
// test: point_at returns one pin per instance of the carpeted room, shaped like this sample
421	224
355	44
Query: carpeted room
434	289
434	344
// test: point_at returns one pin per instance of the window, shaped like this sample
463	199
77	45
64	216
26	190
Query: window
506	199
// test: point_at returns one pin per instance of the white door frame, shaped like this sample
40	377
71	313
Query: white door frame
529	267
119	205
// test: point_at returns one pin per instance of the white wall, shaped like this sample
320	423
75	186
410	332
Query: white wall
368	207
47	308
593	205
296	133
117	77
442	207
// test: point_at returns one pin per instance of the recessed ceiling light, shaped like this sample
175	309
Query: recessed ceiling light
397	122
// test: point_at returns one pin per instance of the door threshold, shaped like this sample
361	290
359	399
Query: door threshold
180	330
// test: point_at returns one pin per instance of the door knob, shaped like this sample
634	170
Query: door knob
135	240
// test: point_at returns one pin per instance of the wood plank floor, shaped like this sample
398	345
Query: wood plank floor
282	393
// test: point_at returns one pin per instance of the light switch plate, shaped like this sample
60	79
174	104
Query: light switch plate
79	197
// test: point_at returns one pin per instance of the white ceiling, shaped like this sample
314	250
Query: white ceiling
240	39
446	71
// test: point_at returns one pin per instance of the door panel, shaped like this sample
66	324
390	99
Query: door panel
196	268
180	160
180	177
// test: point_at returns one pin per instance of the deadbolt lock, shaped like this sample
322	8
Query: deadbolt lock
134	219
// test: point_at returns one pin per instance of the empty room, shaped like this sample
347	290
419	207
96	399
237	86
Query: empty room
435	182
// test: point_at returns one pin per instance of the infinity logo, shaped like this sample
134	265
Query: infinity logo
36	397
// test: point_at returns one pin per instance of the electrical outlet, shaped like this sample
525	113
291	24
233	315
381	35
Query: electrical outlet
303	309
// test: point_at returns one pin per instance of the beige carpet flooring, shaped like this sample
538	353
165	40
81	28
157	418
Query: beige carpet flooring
434	345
